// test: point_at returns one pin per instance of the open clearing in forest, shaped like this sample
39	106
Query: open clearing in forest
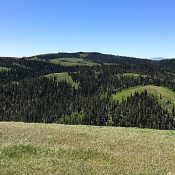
4	69
134	75
72	62
63	76
83	150
167	95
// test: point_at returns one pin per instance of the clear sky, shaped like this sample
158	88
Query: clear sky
141	28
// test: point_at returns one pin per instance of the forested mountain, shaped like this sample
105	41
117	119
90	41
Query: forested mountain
28	94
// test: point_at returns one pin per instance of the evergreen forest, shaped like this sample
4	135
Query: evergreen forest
79	88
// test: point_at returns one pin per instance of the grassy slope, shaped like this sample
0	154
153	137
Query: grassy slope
72	62
83	55
86	150
4	69
63	76
133	75
166	94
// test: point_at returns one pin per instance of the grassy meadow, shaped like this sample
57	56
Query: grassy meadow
63	77
4	69
133	75
166	94
84	150
83	55
72	62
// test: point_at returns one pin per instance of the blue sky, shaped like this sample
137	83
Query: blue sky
141	28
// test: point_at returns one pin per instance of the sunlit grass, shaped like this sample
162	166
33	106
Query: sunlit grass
85	150
165	96
72	62
4	69
63	77
83	55
133	75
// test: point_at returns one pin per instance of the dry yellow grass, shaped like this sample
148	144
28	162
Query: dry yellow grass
74	150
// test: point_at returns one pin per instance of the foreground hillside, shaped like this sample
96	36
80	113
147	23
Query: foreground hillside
73	150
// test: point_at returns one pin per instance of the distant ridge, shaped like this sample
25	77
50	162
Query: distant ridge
96	56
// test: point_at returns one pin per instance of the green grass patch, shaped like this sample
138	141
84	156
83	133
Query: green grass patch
109	64
133	75
19	65
72	62
63	77
166	94
84	150
4	69
83	55
17	151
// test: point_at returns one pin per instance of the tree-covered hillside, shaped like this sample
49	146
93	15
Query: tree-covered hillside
80	91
